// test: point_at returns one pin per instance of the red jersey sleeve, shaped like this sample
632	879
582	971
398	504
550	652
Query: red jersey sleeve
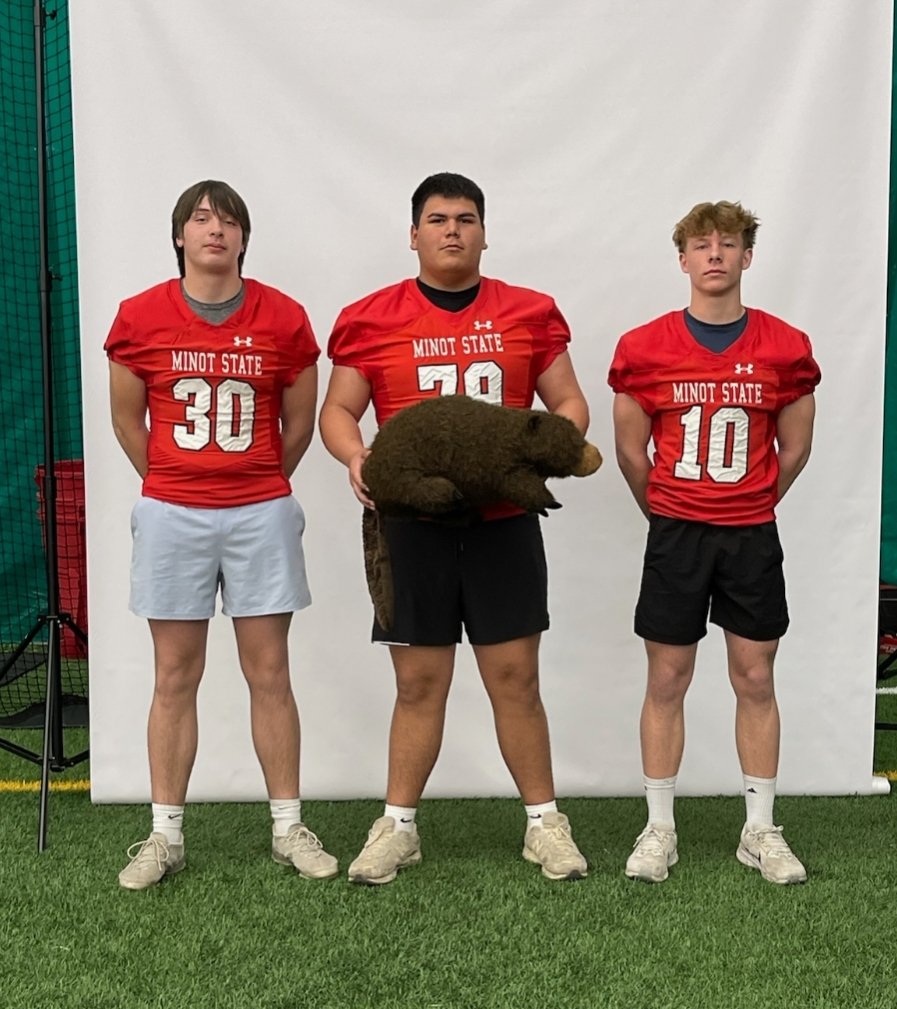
300	349
123	344
370	333
630	378
552	339
345	347
804	374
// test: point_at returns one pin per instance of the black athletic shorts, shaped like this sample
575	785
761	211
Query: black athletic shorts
490	577
734	572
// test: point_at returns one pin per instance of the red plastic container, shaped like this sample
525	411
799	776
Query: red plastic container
72	549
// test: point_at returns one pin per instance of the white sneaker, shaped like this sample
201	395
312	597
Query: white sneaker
552	846
151	861
301	848
765	849
652	855
385	852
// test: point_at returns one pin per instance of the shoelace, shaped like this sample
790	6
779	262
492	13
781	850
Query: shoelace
650	842
303	837
153	848
561	833
772	841
377	835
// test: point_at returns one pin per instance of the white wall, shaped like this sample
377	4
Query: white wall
592	126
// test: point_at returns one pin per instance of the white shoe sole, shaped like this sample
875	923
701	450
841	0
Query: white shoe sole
170	870
570	876
362	880
286	860
745	856
672	859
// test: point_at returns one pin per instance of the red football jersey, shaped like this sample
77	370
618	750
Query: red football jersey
409	350
713	416
213	392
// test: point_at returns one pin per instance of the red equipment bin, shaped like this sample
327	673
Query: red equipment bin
71	548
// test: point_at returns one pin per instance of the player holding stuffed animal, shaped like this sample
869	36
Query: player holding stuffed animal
448	332
726	395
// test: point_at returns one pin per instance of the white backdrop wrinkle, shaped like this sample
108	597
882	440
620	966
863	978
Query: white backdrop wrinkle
592	126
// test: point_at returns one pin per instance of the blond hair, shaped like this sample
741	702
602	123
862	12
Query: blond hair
724	217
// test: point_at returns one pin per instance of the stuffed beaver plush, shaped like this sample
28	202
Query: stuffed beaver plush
452	452
450	456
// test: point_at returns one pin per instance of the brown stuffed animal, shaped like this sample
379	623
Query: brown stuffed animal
454	451
449	456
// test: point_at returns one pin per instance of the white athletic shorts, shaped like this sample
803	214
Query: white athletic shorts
181	555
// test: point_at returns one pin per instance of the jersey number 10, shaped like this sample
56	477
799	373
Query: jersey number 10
727	445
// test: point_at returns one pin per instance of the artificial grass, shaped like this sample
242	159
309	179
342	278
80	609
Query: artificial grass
472	926
16	769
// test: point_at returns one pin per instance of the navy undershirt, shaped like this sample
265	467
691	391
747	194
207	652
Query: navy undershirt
450	301
716	337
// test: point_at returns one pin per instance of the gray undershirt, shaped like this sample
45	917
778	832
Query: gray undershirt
216	312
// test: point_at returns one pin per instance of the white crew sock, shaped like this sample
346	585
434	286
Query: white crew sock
169	820
660	793
759	796
403	816
285	813
535	813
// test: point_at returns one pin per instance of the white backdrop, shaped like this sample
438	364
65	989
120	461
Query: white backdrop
592	126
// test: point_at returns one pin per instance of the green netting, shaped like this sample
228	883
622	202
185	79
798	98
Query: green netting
23	581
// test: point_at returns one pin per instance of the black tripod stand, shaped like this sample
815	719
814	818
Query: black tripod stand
52	622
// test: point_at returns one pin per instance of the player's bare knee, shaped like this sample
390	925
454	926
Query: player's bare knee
668	684
753	684
420	691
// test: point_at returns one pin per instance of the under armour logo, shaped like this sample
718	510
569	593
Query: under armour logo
482	325
746	368
244	341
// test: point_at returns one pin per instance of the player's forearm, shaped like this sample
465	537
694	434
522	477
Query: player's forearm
636	468
791	462
794	439
134	439
342	438
340	433
295	445
576	409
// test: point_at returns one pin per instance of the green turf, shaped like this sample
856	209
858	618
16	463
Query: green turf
15	768
473	926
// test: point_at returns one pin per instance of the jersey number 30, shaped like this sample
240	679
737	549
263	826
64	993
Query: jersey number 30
727	445
234	414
